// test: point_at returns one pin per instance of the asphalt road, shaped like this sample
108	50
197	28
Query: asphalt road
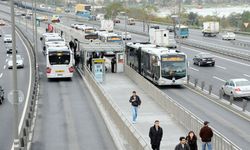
232	126
6	110
67	115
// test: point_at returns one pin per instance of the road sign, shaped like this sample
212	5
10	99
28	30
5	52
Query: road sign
246	24
20	96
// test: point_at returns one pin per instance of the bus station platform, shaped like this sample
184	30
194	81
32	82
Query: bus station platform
120	87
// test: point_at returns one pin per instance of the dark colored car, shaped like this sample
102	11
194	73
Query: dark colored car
9	51
203	59
155	27
170	28
117	21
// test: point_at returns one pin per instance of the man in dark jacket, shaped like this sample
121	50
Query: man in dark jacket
206	135
155	134
71	45
182	145
135	102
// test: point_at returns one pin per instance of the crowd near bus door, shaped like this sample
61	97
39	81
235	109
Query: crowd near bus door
98	69
119	62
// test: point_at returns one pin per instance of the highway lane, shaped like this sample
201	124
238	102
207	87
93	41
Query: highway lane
6	110
67	115
195	36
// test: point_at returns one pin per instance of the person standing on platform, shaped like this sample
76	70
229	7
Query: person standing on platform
155	135
182	145
135	103
71	44
192	140
113	63
206	135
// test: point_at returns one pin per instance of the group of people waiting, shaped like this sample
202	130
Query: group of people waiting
156	132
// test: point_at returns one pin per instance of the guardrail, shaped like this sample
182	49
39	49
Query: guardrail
134	139
217	49
26	126
206	88
187	119
241	44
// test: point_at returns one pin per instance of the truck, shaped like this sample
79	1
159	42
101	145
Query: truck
107	25
161	37
210	28
83	11
181	31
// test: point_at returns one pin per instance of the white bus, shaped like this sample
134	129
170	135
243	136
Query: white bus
59	62
110	37
158	64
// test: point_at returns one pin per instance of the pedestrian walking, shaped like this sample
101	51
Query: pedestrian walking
206	135
135	103
182	145
155	134
192	140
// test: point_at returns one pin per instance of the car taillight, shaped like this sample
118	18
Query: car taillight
71	69
48	70
237	90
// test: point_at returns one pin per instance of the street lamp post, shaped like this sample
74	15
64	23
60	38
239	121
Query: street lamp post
179	36
15	93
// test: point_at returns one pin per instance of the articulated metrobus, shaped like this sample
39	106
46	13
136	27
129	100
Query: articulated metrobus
110	37
59	62
158	64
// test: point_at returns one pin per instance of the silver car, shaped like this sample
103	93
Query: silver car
19	62
237	88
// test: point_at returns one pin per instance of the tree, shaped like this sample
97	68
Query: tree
193	18
113	9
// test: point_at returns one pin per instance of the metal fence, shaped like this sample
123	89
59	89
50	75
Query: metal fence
134	139
188	120
217	49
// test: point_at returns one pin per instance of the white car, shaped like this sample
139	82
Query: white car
80	26
228	36
126	37
237	88
19	62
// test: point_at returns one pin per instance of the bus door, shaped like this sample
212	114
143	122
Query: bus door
119	62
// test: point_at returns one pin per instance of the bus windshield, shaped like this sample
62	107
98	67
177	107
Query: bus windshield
59	58
173	67
114	39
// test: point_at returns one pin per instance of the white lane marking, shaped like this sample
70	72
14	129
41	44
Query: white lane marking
7	55
246	75
29	87
219	79
194	69
221	67
4	67
244	64
1	75
6	60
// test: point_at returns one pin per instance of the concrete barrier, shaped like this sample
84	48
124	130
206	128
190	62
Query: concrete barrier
134	139
187	119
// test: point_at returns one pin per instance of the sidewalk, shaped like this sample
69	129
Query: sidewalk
120	88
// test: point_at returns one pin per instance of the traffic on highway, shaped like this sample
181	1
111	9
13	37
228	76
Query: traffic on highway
205	70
